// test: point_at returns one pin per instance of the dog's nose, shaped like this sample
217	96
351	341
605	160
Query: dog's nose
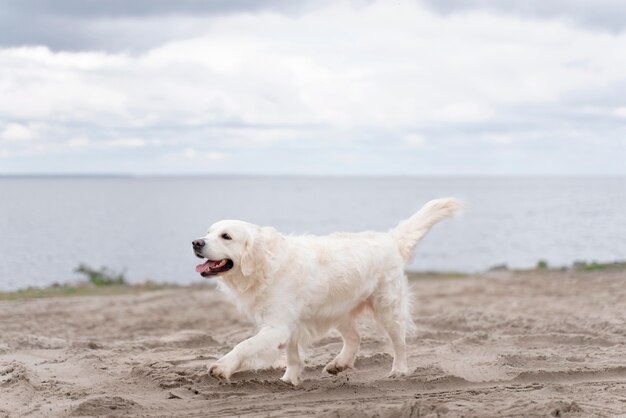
197	244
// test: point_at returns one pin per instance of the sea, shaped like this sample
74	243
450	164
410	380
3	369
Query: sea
143	226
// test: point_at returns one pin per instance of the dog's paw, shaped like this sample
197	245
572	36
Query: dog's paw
291	379
398	373
219	372
335	367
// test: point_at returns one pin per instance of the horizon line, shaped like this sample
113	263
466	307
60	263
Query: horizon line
296	175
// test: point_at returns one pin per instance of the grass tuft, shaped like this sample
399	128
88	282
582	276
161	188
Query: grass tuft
101	277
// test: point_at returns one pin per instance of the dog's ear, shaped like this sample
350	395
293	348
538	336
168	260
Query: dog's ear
249	257
259	253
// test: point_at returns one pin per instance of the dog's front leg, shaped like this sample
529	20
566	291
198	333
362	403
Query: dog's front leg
294	364
255	352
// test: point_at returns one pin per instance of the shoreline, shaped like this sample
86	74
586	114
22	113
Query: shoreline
86	288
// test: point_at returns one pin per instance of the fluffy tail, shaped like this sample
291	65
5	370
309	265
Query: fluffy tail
410	232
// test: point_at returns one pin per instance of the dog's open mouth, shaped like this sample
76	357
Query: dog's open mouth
213	267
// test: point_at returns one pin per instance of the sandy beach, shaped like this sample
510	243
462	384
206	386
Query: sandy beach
498	344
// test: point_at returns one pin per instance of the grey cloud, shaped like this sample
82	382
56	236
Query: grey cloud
609	15
576	134
138	8
118	25
122	25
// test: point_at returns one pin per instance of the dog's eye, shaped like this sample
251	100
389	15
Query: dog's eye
226	236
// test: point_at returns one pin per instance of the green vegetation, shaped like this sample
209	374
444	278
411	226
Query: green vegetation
101	277
430	275
78	290
595	266
100	281
579	266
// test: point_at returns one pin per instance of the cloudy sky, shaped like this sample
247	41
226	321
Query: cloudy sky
431	87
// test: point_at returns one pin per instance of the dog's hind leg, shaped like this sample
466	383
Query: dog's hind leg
395	326
392	316
351	341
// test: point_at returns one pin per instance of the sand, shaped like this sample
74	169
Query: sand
500	344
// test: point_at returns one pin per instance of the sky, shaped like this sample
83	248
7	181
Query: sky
431	87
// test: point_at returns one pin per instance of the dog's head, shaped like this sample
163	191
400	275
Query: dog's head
235	247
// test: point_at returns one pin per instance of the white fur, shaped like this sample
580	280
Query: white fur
297	288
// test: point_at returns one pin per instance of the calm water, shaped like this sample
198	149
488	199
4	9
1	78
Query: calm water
145	225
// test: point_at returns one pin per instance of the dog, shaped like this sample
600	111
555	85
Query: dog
297	288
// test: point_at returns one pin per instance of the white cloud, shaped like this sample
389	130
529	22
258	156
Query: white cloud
205	155
398	64
351	159
127	143
414	140
265	137
18	132
78	143
333	75
620	112
115	143
499	139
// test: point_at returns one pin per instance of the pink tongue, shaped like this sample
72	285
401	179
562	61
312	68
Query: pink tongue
205	267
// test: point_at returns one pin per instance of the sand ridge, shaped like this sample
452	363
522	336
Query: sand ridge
501	344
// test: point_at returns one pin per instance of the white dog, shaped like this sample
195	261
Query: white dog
297	288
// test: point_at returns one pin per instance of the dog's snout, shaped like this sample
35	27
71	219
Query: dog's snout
197	244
